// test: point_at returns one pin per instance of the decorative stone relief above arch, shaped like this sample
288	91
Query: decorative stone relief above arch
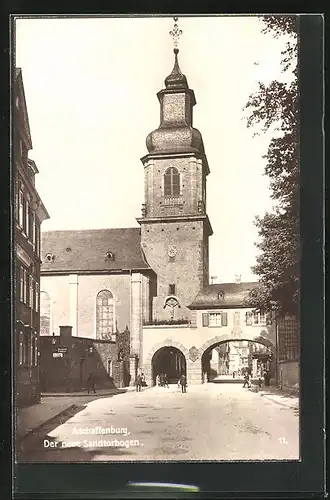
193	353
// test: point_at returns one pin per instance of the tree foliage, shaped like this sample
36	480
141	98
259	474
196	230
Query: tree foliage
275	108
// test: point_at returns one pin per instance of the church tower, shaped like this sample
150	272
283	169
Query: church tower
175	228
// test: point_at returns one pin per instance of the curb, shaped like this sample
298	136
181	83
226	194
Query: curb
22	438
292	407
75	395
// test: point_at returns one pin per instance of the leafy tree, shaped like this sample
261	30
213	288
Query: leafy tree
275	107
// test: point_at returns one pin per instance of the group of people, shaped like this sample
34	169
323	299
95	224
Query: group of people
248	377
140	382
162	380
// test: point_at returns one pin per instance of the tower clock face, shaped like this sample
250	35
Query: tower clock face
172	251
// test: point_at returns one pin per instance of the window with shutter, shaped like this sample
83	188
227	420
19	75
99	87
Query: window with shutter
205	319
248	318
224	319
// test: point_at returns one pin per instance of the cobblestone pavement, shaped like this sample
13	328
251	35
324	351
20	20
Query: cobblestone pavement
209	422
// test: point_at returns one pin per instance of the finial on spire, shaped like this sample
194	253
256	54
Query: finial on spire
175	34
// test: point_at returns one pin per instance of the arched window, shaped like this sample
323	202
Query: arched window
44	313
172	182
104	315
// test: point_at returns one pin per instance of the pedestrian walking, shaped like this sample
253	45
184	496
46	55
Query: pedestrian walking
183	382
267	378
91	383
157	380
165	380
162	380
138	383
247	380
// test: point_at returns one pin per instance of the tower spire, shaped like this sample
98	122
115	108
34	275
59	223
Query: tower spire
176	79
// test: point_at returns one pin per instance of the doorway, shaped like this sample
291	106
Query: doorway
171	361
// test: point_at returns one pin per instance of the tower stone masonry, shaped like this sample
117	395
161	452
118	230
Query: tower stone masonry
174	225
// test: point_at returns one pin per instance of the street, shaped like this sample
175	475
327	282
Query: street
209	422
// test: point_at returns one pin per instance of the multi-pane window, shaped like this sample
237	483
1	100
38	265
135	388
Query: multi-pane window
21	284
104	315
37	239
172	182
21	349
21	208
31	292
26	357
24	285
33	228
37	296
215	319
27	218
28	290
44	313
34	351
256	318
171	289
16	202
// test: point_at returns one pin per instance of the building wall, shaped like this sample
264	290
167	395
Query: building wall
185	270
83	357
289	375
195	341
191	187
289	353
29	212
64	309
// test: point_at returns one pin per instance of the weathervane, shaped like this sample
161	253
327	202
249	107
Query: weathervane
175	34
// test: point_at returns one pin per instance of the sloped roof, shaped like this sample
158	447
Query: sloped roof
22	112
234	295
85	250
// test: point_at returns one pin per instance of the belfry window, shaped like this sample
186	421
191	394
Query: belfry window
172	182
104	315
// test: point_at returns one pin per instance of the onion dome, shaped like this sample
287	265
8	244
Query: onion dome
176	80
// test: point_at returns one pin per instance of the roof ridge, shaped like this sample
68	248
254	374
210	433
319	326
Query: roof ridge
92	229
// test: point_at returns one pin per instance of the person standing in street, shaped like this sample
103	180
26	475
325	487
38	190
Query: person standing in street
165	380
247	380
138	383
183	382
91	384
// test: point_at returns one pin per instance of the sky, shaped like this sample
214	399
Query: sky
91	85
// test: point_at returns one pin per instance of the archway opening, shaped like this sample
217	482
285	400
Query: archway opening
170	361
230	360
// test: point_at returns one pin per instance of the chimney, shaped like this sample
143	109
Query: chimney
65	333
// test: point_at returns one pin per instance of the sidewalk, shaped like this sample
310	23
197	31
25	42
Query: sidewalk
287	399
99	392
53	405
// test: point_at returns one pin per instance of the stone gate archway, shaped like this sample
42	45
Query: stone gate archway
206	349
168	343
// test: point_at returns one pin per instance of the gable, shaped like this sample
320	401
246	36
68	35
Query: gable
20	109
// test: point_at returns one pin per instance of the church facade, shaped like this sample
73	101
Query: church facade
154	279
